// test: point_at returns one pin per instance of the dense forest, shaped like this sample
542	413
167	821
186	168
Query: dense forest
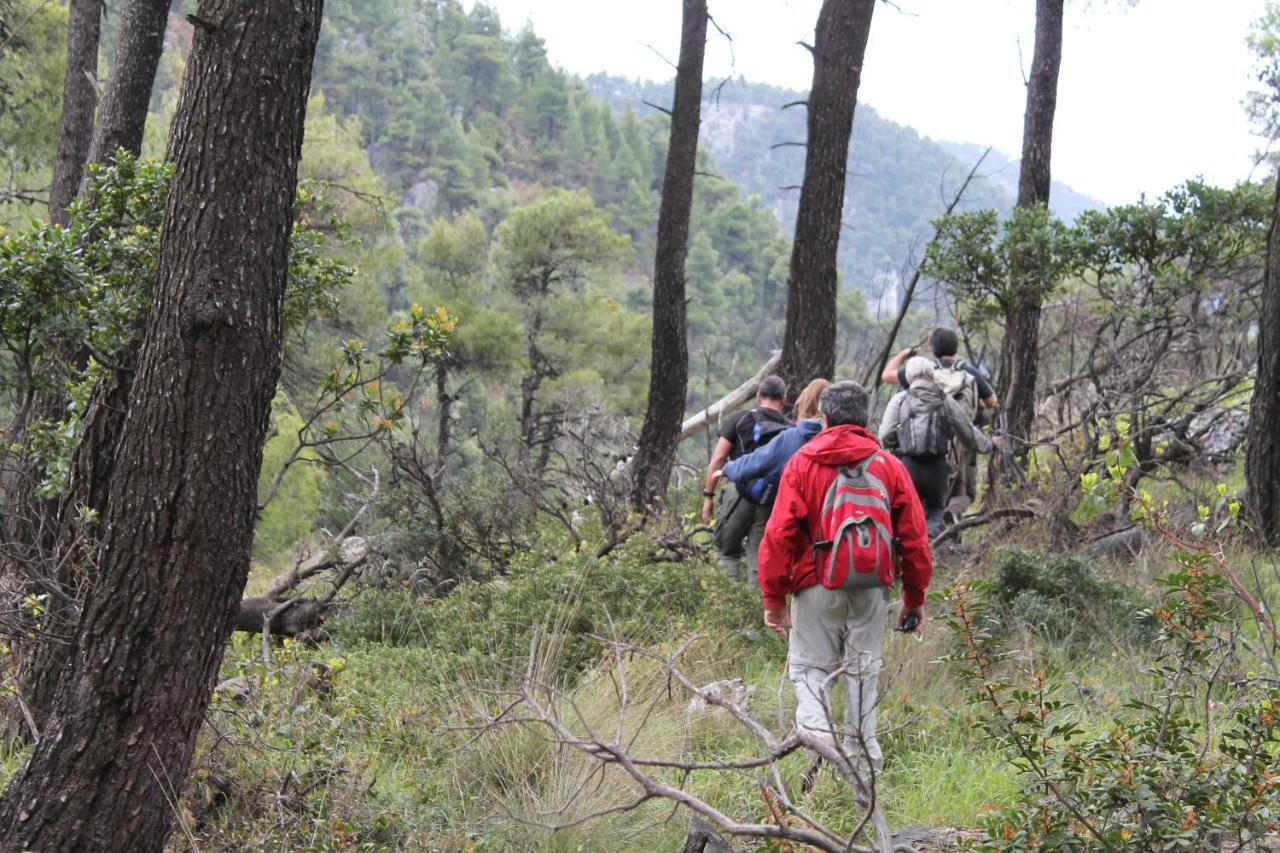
359	372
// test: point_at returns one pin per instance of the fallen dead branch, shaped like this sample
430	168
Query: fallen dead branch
537	703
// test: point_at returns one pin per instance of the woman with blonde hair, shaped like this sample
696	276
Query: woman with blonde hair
757	474
807	403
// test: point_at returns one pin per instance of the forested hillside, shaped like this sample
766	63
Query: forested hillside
898	182
479	122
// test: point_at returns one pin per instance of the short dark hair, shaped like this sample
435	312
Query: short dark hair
772	388
845	403
943	342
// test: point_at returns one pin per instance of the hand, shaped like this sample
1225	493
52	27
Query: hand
778	621
999	441
908	353
918	612
708	506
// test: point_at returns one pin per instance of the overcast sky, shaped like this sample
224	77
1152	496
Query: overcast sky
1149	94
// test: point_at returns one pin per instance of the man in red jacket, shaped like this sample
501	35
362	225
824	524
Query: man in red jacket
834	629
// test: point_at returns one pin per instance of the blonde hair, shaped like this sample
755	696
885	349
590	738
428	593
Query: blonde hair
807	402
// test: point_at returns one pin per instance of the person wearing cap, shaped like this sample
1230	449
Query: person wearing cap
740	520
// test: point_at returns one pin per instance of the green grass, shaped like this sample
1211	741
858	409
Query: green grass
365	742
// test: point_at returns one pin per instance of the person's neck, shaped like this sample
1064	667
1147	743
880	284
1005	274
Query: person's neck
776	405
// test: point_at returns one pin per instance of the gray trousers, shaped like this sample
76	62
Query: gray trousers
838	631
739	519
964	483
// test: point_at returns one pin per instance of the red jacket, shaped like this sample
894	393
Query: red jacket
786	554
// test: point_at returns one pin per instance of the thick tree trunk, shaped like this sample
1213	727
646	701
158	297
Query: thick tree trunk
79	97
179	521
669	370
1262	471
809	344
120	124
123	116
1018	357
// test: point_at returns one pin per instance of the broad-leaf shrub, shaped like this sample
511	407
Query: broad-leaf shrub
1189	764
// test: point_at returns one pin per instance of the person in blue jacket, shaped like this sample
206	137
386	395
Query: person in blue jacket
757	474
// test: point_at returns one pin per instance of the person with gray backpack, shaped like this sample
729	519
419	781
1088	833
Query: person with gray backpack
919	426
967	385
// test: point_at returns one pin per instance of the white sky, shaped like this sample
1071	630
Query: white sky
1148	96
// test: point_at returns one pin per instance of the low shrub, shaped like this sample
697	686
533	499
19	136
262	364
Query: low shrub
579	598
1065	599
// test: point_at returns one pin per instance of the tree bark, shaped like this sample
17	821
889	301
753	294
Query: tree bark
121	121
79	97
139	43
1262	471
669	370
840	42
179	522
1019	355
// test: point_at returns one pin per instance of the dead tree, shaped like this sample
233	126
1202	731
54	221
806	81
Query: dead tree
669	369
840	42
179	522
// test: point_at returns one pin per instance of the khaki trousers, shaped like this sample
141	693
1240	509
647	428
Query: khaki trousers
834	630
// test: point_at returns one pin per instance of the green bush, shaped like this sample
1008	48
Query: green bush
580	599
1188	764
1064	598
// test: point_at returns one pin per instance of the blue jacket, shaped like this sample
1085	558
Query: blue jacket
764	465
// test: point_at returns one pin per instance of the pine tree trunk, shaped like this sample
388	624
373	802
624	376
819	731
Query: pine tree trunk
78	101
123	116
809	343
1019	355
179	521
669	370
1262	471
121	121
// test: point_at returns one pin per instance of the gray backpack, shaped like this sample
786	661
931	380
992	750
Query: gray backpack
922	430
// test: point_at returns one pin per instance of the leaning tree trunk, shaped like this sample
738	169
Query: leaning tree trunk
669	372
43	658
179	522
121	121
78	100
123	115
1262	471
809	343
1018	357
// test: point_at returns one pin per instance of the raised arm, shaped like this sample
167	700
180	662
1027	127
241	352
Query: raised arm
890	374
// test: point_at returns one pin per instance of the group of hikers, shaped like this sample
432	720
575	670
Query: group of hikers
831	514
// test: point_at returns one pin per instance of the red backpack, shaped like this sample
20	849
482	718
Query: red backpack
857	528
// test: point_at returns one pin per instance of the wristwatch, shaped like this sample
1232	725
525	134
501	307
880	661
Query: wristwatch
708	494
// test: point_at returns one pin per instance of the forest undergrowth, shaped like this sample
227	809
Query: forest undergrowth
374	739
